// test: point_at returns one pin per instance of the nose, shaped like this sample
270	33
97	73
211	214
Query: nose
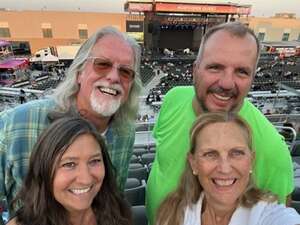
113	75
226	80
84	175
224	165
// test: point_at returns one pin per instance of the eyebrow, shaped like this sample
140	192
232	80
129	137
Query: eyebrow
247	69
109	60
206	149
76	158
214	64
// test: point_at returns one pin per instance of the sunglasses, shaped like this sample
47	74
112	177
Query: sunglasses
103	66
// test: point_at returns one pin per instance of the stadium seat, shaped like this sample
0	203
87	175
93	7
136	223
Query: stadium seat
139	173
136	195
134	159
147	158
296	194
132	183
139	215
149	167
296	205
295	148
152	150
139	151
135	165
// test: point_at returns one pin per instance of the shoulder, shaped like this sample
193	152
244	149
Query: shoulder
176	107
257	121
180	91
178	96
24	121
13	221
273	213
31	108
248	109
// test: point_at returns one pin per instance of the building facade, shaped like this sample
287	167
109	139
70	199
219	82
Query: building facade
52	28
42	29
281	27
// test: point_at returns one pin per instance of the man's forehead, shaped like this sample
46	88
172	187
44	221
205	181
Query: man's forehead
220	37
110	41
113	46
227	43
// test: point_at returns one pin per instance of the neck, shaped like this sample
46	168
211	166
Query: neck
100	122
83	218
196	107
216	214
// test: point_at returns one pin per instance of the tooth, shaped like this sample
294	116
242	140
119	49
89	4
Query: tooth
223	98
224	182
108	90
80	191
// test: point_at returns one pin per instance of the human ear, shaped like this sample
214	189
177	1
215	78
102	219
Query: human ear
79	77
194	71
192	163
252	160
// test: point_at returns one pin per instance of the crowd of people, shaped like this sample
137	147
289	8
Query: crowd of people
64	159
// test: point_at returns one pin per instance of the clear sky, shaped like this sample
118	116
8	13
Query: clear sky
259	7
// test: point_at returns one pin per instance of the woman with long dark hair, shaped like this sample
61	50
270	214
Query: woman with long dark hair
70	180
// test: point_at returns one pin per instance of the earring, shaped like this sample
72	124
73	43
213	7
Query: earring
194	172
250	171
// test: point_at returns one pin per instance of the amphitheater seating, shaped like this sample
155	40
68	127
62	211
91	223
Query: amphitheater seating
135	159
147	158
295	149
132	183
270	71
135	194
296	205
135	165
139	215
140	173
147	72
139	151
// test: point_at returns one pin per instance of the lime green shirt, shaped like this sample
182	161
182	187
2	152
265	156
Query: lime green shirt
273	170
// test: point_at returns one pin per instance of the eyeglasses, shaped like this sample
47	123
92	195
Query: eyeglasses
104	66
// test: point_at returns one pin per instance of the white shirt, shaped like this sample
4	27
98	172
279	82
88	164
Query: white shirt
262	213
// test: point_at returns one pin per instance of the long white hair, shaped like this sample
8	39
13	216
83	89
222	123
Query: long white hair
65	94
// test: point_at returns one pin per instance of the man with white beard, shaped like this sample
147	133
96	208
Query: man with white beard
102	85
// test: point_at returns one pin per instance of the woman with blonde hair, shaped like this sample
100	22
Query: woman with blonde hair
216	187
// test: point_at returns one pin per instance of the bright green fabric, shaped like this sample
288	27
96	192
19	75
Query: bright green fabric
273	170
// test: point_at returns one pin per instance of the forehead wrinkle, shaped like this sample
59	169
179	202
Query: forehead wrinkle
212	46
106	47
219	129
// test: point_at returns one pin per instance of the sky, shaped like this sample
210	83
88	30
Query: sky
265	8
